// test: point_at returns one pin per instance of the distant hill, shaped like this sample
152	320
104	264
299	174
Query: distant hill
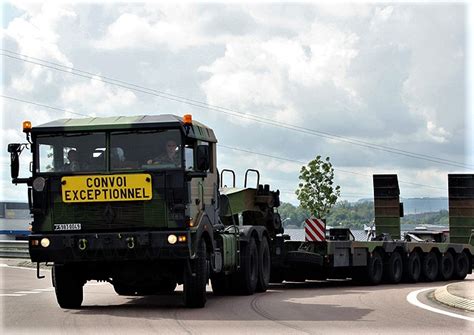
420	205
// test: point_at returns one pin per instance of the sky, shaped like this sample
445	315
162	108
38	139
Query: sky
378	87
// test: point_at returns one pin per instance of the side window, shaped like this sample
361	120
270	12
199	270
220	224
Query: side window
209	147
46	152
189	157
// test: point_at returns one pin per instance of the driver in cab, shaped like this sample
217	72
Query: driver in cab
170	156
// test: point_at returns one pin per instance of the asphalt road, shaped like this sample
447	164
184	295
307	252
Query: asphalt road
29	306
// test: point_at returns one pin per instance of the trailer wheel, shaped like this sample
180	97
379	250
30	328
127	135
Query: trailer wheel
264	265
394	268
248	268
446	266
461	265
196	280
429	266
413	267
374	268
68	287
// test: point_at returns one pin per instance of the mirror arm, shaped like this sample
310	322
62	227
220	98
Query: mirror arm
22	181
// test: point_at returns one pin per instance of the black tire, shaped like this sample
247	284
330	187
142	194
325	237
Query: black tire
413	267
248	274
68	287
264	266
195	283
394	268
446	266
124	290
374	270
461	266
429	267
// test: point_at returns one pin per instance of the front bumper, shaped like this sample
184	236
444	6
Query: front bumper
108	247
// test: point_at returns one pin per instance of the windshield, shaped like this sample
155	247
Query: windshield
86	152
71	152
149	150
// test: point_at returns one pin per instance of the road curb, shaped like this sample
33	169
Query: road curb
443	296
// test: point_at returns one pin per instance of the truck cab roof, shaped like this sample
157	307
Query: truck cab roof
136	122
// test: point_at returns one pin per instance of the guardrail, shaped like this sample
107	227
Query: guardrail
14	249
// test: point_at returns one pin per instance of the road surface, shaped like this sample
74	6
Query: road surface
29	305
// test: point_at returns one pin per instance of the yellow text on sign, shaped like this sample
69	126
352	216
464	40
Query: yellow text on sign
100	188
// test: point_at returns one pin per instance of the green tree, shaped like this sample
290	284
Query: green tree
316	192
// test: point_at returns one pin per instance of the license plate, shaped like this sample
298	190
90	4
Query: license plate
67	226
101	188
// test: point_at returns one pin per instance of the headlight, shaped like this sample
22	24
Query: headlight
172	239
38	184
45	242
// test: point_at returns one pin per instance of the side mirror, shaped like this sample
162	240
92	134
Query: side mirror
14	149
202	158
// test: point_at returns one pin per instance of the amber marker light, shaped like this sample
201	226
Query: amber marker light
182	238
188	119
26	126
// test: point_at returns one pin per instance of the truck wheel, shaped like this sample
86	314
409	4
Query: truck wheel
68	287
126	290
413	267
446	266
375	269
195	283
461	266
429	266
248	268
394	268
264	266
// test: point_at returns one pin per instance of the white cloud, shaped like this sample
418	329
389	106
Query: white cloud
97	98
175	27
387	74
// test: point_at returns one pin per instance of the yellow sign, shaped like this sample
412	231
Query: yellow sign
99	188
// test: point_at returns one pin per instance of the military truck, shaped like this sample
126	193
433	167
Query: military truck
138	202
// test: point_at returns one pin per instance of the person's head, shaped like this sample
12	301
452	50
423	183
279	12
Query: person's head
171	147
72	156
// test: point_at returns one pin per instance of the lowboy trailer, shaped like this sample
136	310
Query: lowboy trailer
138	202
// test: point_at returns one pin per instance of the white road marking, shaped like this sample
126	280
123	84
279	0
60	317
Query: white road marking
27	292
412	299
10	295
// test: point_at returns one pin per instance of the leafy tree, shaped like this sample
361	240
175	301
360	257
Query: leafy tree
316	192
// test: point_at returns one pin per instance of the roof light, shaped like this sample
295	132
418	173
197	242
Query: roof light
26	126
188	119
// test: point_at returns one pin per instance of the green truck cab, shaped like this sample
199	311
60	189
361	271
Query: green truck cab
129	200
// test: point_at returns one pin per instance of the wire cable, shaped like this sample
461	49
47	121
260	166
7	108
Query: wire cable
231	112
224	146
